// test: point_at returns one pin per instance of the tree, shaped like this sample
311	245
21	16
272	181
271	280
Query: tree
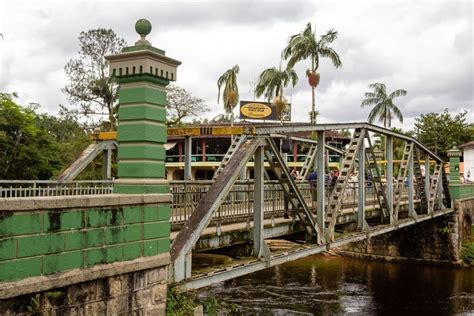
398	143
230	94
68	134
383	105
441	131
271	83
182	105
27	150
305	45
90	86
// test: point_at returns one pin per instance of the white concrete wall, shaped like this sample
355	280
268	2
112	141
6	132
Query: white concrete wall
468	154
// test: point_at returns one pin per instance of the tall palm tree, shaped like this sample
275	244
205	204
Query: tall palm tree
271	83
383	105
230	95
305	45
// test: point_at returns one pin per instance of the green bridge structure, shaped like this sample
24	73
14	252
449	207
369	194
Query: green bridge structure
116	247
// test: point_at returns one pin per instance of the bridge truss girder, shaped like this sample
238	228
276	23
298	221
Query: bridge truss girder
319	229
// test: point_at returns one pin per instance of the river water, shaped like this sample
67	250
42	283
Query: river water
328	285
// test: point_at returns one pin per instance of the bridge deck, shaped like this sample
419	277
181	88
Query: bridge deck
208	276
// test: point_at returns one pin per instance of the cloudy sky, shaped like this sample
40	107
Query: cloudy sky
425	47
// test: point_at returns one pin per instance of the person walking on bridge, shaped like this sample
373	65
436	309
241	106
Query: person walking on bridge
312	178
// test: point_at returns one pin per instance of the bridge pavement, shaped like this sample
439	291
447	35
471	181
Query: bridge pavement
219	236
205	277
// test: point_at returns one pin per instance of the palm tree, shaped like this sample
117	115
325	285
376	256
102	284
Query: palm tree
305	45
271	83
384	108
230	95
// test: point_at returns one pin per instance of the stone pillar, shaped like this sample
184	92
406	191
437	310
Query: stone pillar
143	72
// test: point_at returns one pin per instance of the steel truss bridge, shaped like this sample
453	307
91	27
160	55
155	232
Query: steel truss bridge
409	184
389	203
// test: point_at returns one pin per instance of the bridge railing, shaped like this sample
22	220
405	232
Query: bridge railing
238	205
39	188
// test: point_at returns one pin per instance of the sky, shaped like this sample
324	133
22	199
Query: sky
424	47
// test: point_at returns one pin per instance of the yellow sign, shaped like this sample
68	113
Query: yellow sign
256	110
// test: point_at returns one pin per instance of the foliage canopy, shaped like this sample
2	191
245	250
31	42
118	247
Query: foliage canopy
442	131
182	105
35	146
305	45
90	87
384	108
230	94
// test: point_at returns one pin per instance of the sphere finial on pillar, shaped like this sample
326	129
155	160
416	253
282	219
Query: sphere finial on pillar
143	28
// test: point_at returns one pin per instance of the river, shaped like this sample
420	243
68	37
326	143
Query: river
329	285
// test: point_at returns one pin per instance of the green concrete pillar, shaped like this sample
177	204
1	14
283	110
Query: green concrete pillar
454	157
143	72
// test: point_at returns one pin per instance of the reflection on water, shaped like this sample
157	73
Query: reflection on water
325	285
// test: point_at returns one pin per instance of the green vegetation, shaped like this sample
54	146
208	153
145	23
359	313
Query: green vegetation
90	87
305	45
230	94
271	83
34	307
181	105
467	253
179	303
34	145
383	105
441	131
211	306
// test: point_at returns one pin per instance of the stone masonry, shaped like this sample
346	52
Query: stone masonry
436	241
136	293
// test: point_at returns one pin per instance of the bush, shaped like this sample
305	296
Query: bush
179	303
467	253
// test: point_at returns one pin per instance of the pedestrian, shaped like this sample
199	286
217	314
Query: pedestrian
327	183
335	174
368	178
295	174
312	178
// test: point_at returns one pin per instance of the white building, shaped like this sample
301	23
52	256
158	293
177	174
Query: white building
468	155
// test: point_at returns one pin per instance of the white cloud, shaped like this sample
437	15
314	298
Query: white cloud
425	47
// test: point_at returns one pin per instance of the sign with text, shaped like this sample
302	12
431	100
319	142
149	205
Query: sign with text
256	110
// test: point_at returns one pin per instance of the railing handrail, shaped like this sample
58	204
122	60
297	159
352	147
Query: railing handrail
54	181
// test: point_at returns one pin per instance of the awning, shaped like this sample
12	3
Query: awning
168	146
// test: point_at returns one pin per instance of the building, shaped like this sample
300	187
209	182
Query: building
468	160
208	150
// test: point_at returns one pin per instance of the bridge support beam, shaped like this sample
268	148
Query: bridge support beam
260	248
361	223
411	191
107	164
389	183
187	157
427	179
320	187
